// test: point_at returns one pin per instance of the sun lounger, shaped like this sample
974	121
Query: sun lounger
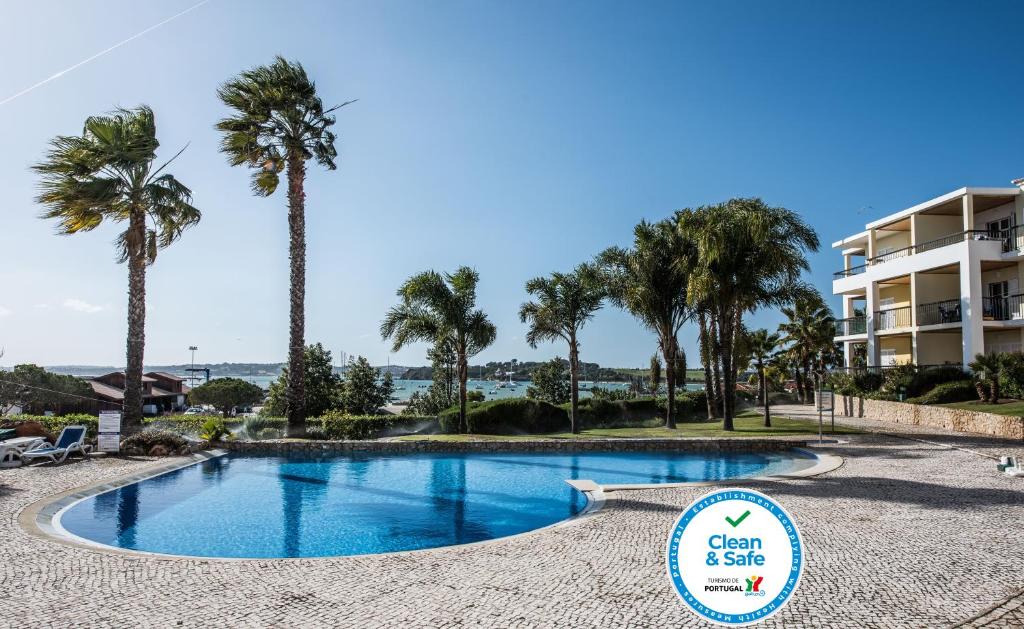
71	440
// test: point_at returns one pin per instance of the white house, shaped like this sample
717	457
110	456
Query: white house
936	283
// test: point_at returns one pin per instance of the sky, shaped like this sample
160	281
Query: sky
518	137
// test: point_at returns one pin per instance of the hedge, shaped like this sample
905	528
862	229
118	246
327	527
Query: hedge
184	424
509	416
959	391
598	413
56	423
337	425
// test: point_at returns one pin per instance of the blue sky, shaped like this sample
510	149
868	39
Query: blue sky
517	137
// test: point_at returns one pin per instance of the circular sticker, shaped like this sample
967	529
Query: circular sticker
735	557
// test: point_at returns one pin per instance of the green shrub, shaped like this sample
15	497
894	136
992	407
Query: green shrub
867	381
259	427
881	395
338	425
959	391
927	379
898	379
604	413
696	405
182	424
510	416
142	443
55	424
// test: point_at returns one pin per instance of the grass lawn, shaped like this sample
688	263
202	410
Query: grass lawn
748	424
1009	407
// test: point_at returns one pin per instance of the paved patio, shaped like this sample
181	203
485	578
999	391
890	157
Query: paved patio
904	534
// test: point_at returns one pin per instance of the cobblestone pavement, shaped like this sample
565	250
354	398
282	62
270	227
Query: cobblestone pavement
904	534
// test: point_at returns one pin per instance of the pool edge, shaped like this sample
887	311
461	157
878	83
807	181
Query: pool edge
823	464
41	519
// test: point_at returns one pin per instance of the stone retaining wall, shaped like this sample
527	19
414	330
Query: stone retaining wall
548	445
960	420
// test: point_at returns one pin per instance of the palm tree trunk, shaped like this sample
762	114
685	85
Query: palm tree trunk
670	383
463	369
808	383
705	358
296	395
725	333
982	390
574	380
764	395
136	247
716	367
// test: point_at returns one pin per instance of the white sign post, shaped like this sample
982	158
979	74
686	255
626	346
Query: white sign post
109	438
826	402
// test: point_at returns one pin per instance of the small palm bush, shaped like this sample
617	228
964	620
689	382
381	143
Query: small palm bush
213	429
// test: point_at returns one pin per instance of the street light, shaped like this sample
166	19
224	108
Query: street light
192	372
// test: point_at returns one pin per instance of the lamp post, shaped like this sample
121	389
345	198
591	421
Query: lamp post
192	372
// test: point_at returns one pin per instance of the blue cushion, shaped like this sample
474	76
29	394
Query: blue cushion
69	436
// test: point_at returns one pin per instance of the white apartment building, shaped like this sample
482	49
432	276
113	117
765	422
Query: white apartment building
936	283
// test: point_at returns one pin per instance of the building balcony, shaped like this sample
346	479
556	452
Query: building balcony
892	318
852	326
939	312
1007	308
1011	239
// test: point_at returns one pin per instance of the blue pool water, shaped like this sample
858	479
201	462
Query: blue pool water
256	507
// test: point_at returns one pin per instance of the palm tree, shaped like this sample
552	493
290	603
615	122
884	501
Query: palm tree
650	282
987	369
108	174
565	302
279	123
749	255
809	329
438	308
762	345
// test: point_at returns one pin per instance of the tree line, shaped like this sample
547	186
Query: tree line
709	266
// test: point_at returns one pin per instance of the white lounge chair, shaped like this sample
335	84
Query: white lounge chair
71	439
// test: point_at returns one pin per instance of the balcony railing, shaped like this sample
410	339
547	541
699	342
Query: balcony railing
882	368
938	312
1011	241
853	270
1013	238
892	318
853	325
1002	308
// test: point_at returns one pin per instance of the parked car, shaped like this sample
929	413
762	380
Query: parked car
195	410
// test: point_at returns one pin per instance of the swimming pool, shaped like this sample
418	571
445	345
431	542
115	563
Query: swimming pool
271	507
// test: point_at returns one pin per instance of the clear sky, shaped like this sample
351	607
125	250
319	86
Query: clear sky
517	137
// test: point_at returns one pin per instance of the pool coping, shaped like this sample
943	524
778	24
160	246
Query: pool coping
41	519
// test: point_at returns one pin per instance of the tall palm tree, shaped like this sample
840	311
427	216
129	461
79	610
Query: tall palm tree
108	174
565	302
809	329
762	345
749	255
650	282
278	124
438	308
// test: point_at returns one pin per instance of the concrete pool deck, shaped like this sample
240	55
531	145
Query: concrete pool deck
904	533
